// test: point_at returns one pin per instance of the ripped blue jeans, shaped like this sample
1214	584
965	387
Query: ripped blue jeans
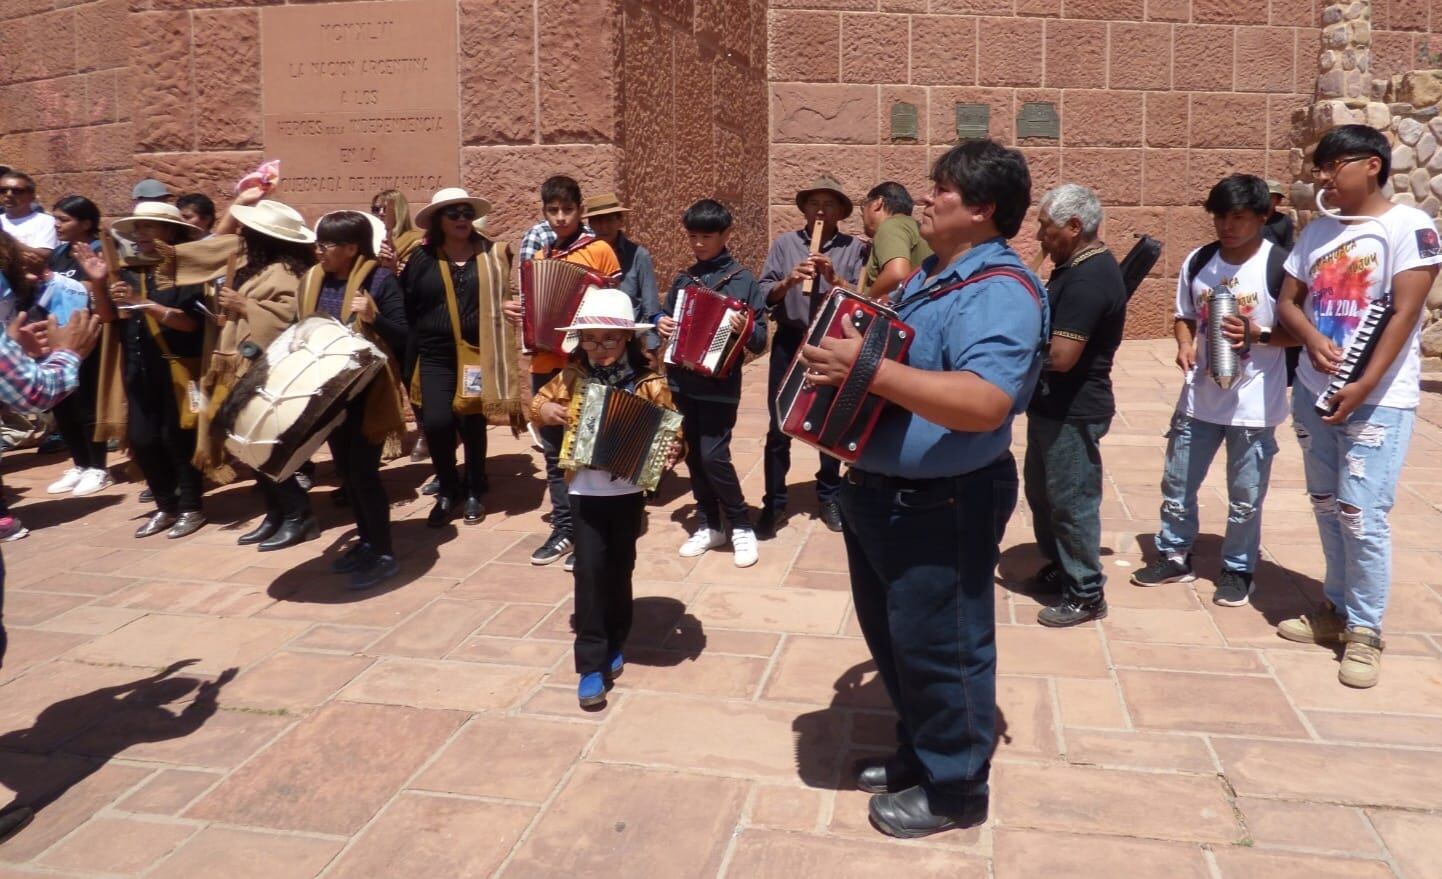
1191	446
1352	472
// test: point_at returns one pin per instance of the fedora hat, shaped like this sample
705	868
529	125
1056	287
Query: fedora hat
155	212
603	204
378	228
447	197
825	183
274	219
601	309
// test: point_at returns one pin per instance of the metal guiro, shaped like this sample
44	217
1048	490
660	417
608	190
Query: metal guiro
1221	357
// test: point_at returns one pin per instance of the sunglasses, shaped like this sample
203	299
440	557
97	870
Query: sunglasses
14	190
463	212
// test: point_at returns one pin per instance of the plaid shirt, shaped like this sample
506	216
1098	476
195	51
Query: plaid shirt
538	238
29	386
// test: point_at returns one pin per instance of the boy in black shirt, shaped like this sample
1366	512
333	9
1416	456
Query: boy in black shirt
1073	405
709	404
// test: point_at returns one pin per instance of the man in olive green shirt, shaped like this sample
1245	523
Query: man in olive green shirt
896	246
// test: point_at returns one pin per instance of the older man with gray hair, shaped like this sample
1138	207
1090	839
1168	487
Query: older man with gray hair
1073	406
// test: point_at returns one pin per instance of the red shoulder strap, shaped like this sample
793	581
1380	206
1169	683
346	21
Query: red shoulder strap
998	272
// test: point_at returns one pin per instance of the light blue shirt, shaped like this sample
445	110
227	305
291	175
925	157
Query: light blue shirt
993	328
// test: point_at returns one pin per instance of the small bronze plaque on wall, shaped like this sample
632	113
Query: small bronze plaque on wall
1038	119
903	121
973	121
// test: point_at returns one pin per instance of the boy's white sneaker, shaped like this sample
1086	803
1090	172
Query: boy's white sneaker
743	547
703	541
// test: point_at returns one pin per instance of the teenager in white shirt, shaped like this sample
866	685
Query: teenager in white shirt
1353	456
1244	415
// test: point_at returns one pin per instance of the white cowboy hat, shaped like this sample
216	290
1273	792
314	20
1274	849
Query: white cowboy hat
449	196
378	227
274	219
154	212
601	309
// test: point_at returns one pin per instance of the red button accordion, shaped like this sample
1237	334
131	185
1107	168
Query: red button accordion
704	342
839	421
551	291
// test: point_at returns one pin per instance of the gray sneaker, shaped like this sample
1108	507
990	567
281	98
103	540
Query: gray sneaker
1234	589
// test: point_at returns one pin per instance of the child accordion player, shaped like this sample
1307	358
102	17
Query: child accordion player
604	349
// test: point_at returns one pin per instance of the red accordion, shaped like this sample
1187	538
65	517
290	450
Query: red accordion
704	342
551	291
839	421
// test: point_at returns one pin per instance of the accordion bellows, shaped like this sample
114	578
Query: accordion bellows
839	421
551	291
620	433
704	342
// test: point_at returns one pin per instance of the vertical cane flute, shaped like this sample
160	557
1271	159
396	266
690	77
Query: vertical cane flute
809	288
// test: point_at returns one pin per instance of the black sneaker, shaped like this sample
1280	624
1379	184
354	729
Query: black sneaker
1234	589
553	550
1164	570
1071	612
375	570
570	564
831	515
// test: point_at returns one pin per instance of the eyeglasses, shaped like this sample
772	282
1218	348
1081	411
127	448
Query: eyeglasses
326	246
460	213
1330	169
14	190
608	344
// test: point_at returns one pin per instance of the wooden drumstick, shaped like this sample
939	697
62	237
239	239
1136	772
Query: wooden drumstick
809	288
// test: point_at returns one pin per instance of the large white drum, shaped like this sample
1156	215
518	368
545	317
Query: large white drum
295	394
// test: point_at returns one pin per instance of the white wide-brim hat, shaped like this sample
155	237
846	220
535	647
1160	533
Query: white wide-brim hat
155	212
447	197
274	219
378	228
601	309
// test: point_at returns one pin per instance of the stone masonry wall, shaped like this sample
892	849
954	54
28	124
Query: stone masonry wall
1158	99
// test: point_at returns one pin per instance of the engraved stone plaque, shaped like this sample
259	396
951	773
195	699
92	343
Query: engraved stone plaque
358	98
1038	119
973	121
903	121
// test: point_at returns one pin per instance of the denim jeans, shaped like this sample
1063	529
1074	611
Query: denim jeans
1351	471
1191	446
922	558
1064	491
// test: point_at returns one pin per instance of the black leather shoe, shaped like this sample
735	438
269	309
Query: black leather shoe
158	522
432	488
443	512
475	511
1071	612
908	815
186	524
885	776
768	522
268	526
831	515
291	532
14	821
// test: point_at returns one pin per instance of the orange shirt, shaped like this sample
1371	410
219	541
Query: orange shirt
594	254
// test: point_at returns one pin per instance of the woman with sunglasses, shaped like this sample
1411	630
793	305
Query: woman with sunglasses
454	284
402	236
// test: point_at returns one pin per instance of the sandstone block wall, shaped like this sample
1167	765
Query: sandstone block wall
1157	100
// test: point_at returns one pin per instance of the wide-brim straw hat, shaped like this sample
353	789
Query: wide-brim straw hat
603	204
447	197
155	212
378	228
825	183
275	220
602	309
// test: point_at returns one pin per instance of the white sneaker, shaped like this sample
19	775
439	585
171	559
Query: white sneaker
67	481
704	540
743	547
93	480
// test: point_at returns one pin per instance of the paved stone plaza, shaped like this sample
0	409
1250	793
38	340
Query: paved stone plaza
195	709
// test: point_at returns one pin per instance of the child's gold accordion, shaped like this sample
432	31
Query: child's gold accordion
615	431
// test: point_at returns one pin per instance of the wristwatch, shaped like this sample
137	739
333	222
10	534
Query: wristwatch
1264	335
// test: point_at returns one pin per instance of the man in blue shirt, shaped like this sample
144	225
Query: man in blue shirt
925	506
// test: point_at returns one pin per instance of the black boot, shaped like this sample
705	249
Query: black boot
291	532
267	527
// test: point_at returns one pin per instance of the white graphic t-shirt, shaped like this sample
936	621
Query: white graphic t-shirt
1258	398
1343	266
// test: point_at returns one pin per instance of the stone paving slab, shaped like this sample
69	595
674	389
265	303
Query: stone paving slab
194	709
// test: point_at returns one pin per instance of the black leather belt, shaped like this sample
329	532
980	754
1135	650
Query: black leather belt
882	482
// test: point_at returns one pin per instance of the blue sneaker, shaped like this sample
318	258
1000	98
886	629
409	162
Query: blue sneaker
592	690
618	664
